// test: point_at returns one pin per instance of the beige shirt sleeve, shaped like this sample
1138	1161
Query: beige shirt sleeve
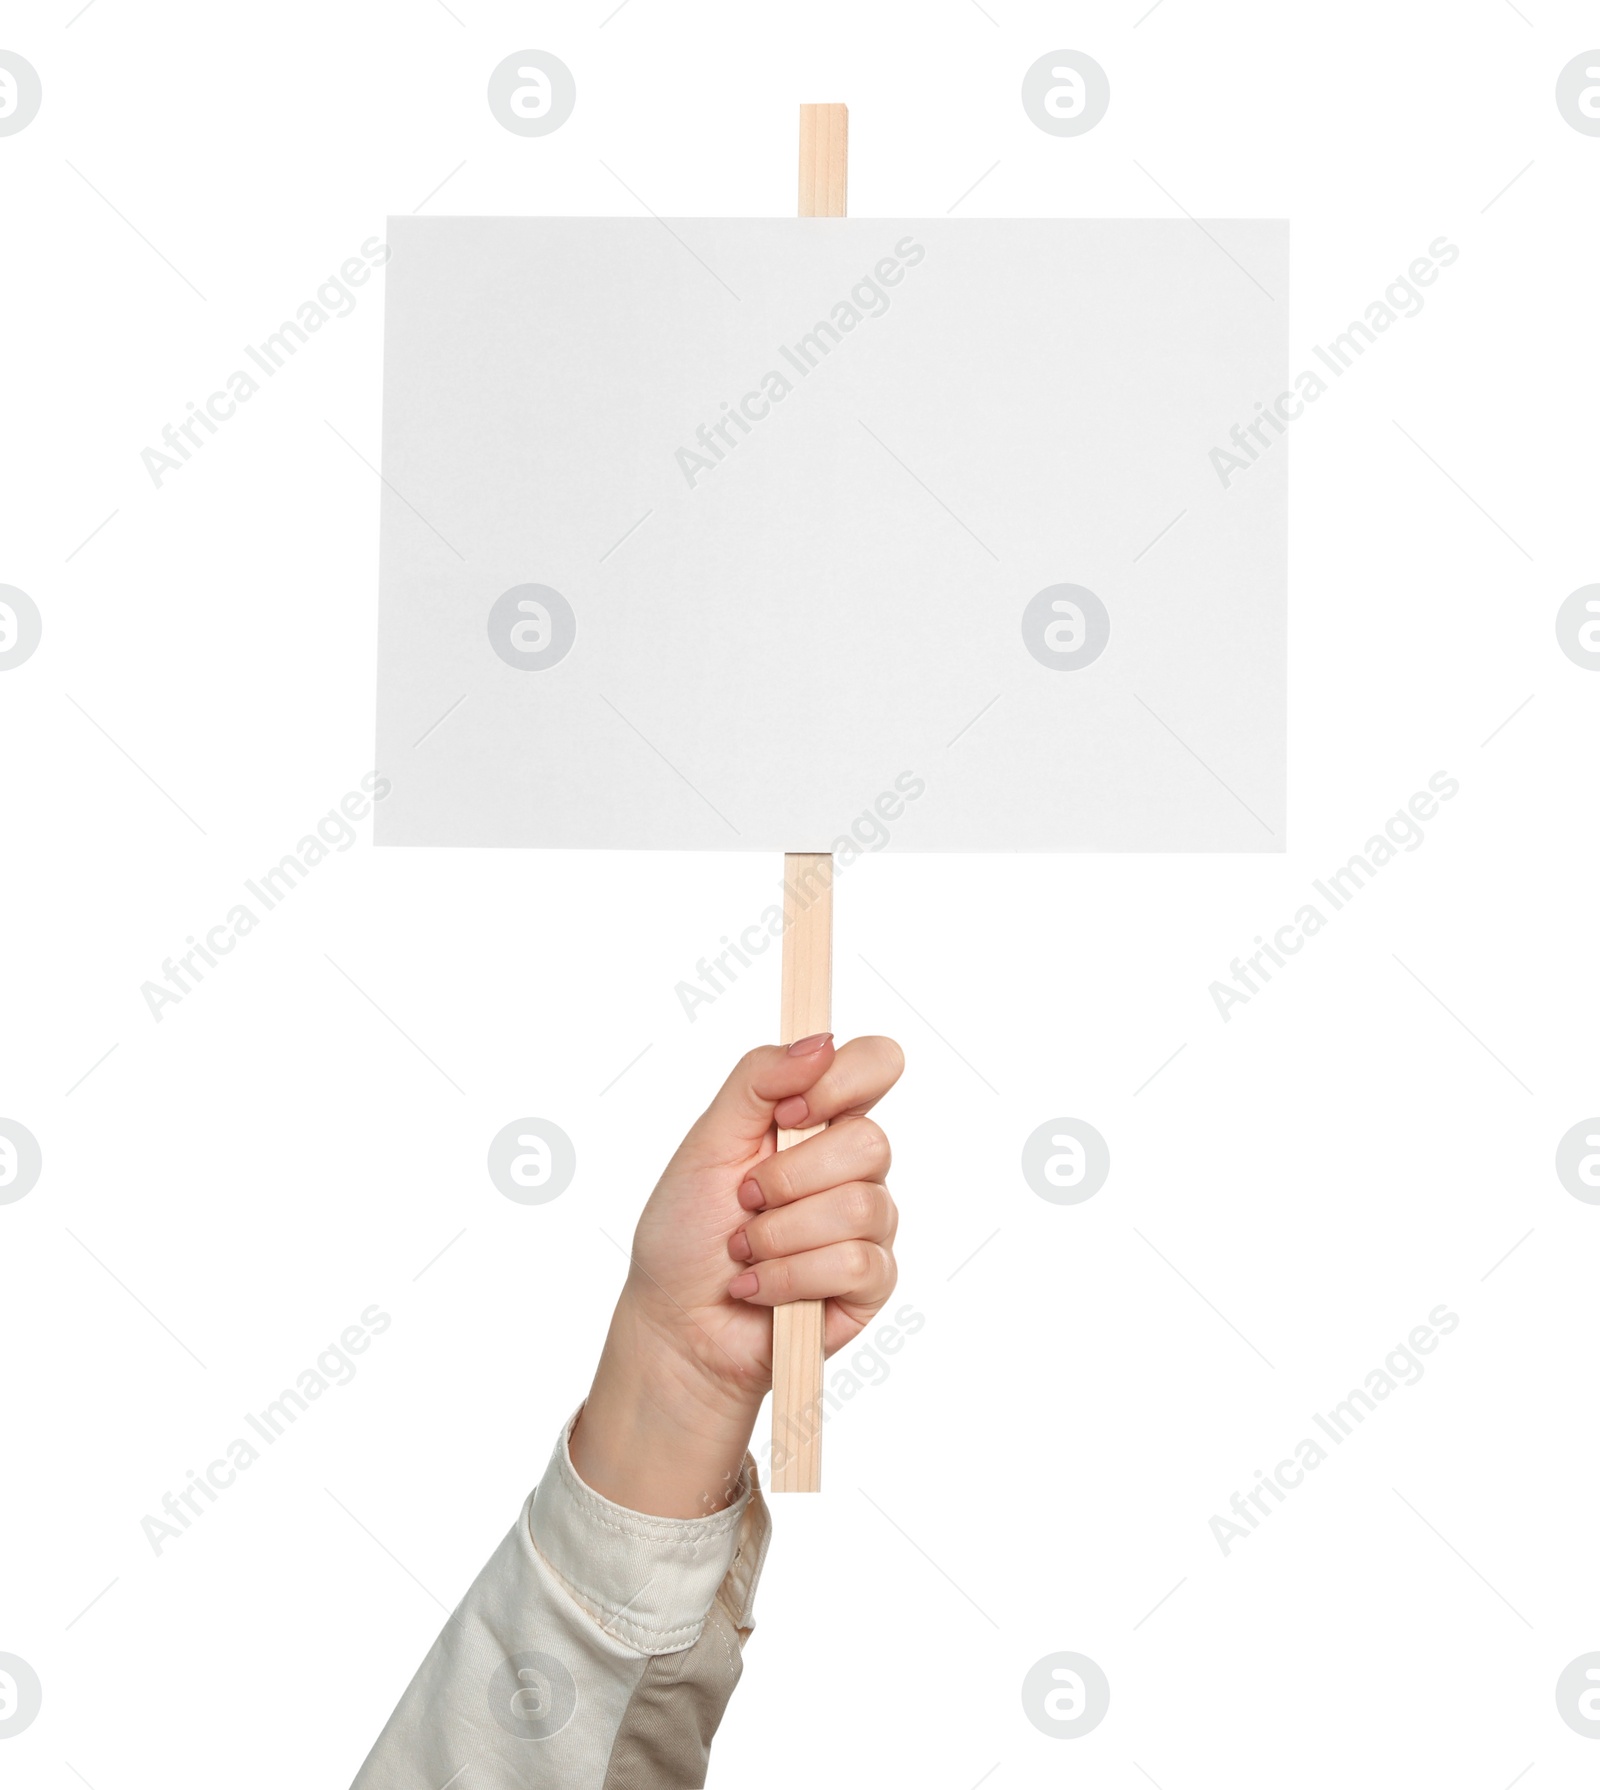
596	1650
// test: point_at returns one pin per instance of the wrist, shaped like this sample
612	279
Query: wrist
656	1434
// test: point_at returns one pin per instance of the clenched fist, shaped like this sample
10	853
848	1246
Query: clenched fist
733	1228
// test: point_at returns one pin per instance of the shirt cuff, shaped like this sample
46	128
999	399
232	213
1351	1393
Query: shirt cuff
649	1582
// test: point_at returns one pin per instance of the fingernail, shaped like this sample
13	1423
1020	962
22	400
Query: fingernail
808	1047
743	1287
792	1113
739	1247
751	1197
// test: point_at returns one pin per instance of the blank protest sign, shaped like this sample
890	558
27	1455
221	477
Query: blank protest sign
703	535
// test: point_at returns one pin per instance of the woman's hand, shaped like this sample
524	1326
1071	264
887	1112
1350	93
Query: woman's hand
733	1228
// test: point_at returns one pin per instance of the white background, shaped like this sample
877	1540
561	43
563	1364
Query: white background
1326	1167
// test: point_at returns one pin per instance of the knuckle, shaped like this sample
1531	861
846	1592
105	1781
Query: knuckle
775	1179
874	1143
773	1239
863	1206
856	1260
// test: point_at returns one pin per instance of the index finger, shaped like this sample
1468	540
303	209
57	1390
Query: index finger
861	1073
741	1113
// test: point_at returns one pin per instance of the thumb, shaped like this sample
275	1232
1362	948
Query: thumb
741	1114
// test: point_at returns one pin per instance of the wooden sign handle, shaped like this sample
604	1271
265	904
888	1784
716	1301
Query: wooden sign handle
824	151
807	957
797	1329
